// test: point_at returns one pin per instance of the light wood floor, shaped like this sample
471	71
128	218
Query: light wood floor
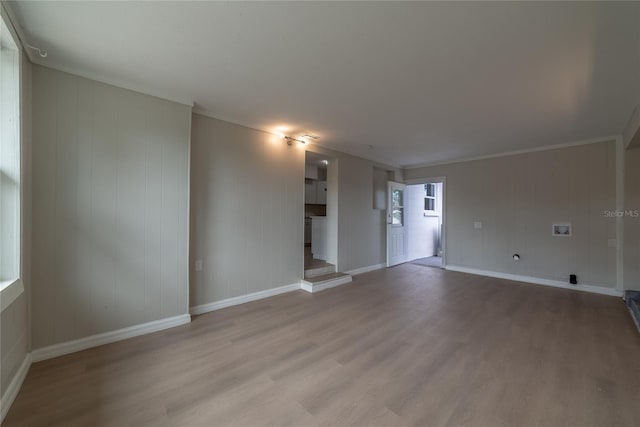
311	262
403	346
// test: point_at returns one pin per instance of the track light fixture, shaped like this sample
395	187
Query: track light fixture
302	139
290	140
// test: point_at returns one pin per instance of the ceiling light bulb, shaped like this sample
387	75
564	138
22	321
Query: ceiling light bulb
281	135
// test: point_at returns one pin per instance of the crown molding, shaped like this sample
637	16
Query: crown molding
206	113
141	89
611	138
16	29
35	59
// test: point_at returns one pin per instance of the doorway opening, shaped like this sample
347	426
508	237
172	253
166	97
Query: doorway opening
425	224
415	223
315	211
319	212
321	269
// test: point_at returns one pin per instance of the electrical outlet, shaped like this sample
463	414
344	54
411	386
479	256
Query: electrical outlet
477	225
198	265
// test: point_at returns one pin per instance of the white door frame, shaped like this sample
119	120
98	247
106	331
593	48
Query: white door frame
332	203
390	227
435	180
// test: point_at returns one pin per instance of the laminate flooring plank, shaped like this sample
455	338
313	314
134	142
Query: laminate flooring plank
403	346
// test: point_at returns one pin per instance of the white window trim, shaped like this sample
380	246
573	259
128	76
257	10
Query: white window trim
433	212
11	289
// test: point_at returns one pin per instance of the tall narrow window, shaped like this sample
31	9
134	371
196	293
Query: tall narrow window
430	198
9	158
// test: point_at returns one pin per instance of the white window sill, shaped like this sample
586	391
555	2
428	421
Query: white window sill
10	290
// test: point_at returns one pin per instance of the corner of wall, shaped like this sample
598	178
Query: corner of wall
620	207
7	399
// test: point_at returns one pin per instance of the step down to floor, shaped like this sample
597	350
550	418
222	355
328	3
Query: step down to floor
325	281
319	271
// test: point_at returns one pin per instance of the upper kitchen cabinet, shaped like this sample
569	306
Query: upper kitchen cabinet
310	192
315	181
311	172
321	192
315	192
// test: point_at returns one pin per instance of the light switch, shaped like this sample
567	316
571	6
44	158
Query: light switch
477	225
198	265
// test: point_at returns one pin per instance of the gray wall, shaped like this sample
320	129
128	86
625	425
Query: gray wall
357	228
14	340
247	209
247	204
517	198
380	177
361	229
631	222
110	208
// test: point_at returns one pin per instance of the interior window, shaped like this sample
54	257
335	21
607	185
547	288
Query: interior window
9	158
430	198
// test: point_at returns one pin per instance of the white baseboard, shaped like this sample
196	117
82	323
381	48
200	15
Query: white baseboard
108	337
217	305
309	287
367	269
536	280
14	387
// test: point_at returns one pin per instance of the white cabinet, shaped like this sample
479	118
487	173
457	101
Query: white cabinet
311	172
310	195
321	192
307	231
315	192
319	237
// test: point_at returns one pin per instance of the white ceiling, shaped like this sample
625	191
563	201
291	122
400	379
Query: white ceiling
400	83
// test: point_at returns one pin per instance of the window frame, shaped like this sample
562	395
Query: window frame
11	287
434	211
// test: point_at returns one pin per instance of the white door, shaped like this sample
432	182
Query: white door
396	235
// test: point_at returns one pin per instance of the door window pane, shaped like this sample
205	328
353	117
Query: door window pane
398	216
396	198
397	206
